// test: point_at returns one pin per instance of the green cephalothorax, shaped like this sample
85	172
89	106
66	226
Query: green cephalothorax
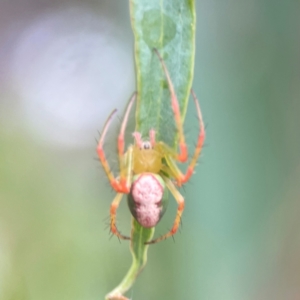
148	199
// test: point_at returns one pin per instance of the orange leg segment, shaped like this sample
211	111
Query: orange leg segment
113	181
172	168
200	142
152	137
121	186
183	153
121	144
113	214
180	200
138	139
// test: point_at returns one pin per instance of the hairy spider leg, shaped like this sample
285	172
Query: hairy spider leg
121	145
183	153
115	204
113	181
121	186
113	215
180	201
199	145
172	168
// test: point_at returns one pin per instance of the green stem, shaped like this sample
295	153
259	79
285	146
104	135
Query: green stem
139	235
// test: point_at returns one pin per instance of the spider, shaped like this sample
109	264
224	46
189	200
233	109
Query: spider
148	169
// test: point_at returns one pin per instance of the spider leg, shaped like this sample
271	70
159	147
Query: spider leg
172	168
113	214
180	200
128	158
200	141
183	150
152	137
138	139
122	185
115	204
121	145
113	181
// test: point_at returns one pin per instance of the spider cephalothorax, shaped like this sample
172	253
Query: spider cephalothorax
148	169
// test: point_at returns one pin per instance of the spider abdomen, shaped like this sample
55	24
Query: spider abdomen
148	199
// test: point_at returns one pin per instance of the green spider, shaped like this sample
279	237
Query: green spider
148	169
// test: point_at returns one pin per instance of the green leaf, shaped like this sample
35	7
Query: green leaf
168	26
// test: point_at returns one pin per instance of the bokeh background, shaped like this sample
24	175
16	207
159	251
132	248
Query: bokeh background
64	65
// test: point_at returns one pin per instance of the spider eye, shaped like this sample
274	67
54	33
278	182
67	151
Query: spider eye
146	145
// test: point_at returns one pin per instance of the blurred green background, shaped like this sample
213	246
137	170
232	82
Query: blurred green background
64	65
